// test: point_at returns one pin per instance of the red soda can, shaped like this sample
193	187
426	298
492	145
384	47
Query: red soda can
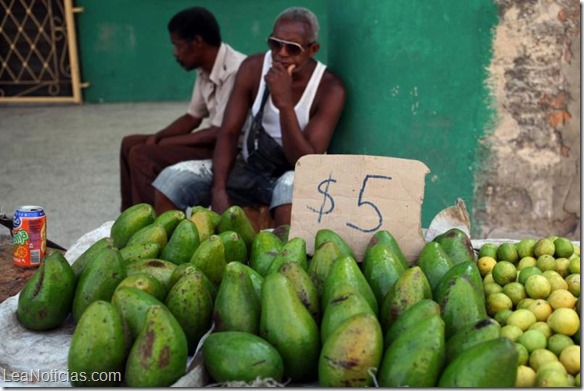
29	236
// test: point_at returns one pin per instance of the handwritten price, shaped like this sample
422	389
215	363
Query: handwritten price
328	202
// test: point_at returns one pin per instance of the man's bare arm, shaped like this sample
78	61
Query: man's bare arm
182	125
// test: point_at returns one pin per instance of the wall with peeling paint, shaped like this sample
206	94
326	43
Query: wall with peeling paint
529	182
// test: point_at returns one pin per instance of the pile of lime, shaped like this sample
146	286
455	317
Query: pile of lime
532	288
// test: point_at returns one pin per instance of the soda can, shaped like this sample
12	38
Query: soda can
29	236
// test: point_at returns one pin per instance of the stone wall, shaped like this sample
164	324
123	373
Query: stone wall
528	179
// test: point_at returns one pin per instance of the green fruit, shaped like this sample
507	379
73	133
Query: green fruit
435	262
328	235
140	251
457	245
99	345
131	221
133	304
235	219
170	220
386	238
239	356
210	258
264	249
157	268
89	255
381	269
182	244
153	233
235	248
46	298
409	318
146	283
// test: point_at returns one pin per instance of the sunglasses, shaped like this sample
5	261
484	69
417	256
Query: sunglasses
292	48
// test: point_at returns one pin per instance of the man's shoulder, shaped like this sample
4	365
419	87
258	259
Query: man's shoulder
232	59
330	80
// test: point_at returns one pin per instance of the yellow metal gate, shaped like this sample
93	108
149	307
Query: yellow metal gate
38	51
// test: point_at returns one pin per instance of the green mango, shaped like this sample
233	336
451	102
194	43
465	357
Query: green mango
158	357
99	345
264	249
210	258
303	286
46	298
236	306
187	268
182	244
381	269
98	281
235	219
153	233
157	268
257	281
131	221
434	262
214	216
345	302
489	364
321	262
345	270
350	352
293	251
170	220
191	304
288	326
204	223
282	232
235	248
410	318
145	282
240	356
416	357
467	269
483	330
385	237
139	251
89	255
457	245
410	288
328	235
132	304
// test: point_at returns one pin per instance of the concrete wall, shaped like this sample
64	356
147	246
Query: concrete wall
529	182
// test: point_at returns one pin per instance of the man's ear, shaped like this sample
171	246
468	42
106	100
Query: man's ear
314	48
198	41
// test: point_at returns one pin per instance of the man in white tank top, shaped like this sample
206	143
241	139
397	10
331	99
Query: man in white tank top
304	105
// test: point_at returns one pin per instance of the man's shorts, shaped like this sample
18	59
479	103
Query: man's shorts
188	184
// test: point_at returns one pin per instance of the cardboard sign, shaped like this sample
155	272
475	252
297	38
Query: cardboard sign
356	196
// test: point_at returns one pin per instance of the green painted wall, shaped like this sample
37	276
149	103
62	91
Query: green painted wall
125	51
415	73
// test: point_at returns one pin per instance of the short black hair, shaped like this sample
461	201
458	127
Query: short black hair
194	21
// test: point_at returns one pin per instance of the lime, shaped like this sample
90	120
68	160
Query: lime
485	265
532	340
546	262
557	342
552	365
524	303
542	327
496	302
564	248
511	332
556	281
526	247
492	287
526	262
507	252
504	272
525	376
544	247
522	318
577	380
573	281
539	357
570	358
541	309
574	266
523	354
525	273
561	298
537	287
564	321
515	291
577	250
551	377
563	266
488	279
501	316
488	250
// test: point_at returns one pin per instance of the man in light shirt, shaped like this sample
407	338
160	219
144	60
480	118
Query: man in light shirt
196	37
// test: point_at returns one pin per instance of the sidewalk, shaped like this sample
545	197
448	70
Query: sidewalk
65	158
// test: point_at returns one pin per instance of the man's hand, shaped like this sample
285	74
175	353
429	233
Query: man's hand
151	140
279	81
220	201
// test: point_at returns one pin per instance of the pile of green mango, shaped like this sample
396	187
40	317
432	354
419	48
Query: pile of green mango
145	298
